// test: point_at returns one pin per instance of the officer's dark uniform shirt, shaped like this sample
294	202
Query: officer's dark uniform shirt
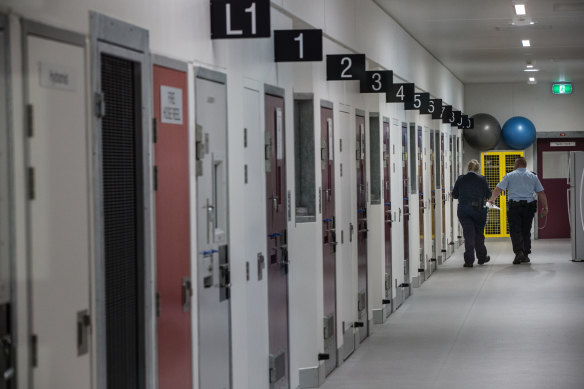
471	189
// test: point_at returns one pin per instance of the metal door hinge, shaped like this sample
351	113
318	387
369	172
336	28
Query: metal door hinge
99	104
155	173
199	150
154	130
31	184
34	350
157	304
30	120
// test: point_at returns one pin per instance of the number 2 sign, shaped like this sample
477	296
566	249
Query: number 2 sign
297	45
345	67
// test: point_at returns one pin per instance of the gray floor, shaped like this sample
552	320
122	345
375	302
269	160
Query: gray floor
493	326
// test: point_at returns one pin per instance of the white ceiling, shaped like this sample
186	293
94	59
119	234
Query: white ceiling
477	41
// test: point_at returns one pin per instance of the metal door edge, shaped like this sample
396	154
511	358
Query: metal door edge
327	104
274	90
169	63
210	75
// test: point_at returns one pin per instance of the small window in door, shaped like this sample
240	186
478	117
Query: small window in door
555	164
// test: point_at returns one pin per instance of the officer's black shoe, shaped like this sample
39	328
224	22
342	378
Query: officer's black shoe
467	265
519	257
483	261
525	259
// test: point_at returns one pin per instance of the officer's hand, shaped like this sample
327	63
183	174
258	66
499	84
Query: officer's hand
544	212
491	202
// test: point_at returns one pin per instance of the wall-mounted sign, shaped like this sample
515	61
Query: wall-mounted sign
345	67
240	19
57	77
400	93
376	81
297	45
446	113
563	144
562	88
435	108
171	105
469	124
420	102
463	122
455	118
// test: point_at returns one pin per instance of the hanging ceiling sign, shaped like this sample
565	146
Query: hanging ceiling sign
400	93
376	81
435	108
232	19
462	122
455	118
420	102
297	45
346	67
445	113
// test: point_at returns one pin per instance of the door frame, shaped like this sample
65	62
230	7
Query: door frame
544	135
32	28
115	37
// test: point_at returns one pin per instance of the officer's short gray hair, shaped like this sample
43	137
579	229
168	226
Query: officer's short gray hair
473	166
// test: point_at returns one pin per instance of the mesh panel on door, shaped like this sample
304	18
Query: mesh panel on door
491	173
509	167
120	137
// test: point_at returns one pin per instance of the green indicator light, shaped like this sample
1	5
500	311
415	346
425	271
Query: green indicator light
562	89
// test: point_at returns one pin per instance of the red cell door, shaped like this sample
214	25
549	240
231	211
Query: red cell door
275	155
388	219
329	239
172	229
361	229
552	169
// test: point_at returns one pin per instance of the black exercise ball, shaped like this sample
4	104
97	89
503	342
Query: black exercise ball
486	132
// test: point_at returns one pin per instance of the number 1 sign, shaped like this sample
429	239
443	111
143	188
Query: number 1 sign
297	45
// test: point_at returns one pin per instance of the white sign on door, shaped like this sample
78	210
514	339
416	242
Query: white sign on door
57	76
171	110
562	144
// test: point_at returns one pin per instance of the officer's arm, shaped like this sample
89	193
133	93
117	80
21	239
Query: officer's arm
542	198
495	194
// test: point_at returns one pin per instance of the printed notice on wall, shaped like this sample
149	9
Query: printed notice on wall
171	110
57	76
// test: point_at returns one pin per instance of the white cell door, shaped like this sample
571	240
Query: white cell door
59	215
4	189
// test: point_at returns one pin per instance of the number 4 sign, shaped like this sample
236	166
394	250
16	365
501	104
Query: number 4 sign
240	19
297	45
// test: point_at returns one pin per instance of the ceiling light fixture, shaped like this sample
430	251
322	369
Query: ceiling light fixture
531	70
520	9
526	43
529	66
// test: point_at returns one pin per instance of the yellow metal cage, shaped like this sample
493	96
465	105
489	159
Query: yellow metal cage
495	165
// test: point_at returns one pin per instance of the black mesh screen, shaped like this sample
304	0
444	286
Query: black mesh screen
122	221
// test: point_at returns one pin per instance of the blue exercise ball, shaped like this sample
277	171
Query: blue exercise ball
518	132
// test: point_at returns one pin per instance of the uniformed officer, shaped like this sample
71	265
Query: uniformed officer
472	192
522	186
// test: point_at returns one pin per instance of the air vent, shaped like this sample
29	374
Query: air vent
569	7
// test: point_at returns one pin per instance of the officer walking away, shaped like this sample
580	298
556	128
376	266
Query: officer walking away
521	185
472	192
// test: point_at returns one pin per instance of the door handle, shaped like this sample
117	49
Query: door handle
187	294
83	324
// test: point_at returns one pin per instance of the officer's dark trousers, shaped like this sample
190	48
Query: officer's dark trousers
520	218
473	222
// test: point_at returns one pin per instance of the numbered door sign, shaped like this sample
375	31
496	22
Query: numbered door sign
462	122
297	45
421	102
376	81
435	108
400	93
469	124
446	113
345	67
240	19
455	118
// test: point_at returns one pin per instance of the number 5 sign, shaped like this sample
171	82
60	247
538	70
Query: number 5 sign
240	19
297	45
345	67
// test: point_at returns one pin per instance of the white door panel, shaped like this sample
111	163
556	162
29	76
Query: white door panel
59	221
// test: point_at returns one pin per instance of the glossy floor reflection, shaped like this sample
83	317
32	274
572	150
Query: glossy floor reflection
493	326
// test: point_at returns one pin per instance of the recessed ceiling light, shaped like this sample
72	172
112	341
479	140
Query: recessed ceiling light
531	22
531	79
529	66
531	70
520	9
526	43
